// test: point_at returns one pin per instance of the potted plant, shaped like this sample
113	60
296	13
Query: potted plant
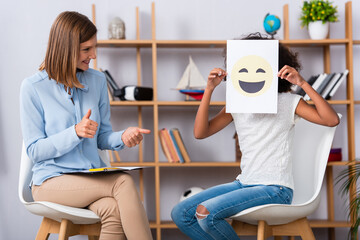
347	180
316	15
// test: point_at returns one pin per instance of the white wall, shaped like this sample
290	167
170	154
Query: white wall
24	32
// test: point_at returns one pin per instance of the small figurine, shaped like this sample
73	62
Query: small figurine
116	29
192	82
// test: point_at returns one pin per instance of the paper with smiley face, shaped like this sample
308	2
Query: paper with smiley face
252	67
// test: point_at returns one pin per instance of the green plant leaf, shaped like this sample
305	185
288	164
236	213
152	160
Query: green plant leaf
318	10
346	179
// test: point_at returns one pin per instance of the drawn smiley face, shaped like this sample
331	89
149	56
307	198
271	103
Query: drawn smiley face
251	75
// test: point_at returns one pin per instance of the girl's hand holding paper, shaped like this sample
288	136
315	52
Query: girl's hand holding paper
215	77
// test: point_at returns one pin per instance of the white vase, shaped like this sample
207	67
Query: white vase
318	30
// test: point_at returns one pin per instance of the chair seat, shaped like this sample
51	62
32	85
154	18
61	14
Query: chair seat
58	212
277	214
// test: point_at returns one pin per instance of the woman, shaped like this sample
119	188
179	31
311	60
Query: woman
266	142
65	118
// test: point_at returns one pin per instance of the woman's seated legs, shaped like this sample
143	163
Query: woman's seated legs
80	190
111	228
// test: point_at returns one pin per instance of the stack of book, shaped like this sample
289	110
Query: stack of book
325	84
115	89
173	146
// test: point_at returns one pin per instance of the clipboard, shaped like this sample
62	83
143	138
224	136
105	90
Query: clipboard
103	169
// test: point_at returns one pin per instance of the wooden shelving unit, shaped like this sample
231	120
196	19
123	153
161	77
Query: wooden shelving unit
157	224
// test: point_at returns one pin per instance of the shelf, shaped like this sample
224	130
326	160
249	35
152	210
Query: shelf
200	164
162	103
329	224
342	163
211	43
168	225
339	102
188	103
124	43
133	164
313	43
197	103
153	224
338	163
191	43
313	224
334	102
132	103
167	164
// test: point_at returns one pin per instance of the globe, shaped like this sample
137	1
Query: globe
271	24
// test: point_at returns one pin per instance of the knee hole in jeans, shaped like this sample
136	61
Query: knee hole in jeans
201	212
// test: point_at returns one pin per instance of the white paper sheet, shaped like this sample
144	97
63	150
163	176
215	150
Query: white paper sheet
252	84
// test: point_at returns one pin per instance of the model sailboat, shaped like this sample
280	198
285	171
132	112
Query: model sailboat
192	82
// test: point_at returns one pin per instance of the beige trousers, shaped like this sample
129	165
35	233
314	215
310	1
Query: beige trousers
112	196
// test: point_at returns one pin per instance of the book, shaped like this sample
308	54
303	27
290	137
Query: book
325	83
181	144
164	147
169	145
116	91
316	84
176	146
338	83
310	81
331	84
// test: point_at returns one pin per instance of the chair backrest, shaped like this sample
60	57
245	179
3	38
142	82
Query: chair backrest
25	177
25	174
311	148
104	156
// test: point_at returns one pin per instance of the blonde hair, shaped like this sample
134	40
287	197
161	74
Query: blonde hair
67	32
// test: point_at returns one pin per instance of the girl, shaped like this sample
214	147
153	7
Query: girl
266	143
65	118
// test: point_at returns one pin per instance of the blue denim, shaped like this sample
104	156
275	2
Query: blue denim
223	201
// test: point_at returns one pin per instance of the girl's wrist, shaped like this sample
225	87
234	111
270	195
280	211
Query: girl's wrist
209	88
302	82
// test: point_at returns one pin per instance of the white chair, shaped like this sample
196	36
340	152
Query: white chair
63	220
312	145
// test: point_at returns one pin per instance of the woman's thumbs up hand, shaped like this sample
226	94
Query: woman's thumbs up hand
86	128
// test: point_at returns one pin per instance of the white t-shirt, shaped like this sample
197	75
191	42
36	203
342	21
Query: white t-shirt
266	143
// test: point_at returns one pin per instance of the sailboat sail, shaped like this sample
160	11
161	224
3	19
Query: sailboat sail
192	78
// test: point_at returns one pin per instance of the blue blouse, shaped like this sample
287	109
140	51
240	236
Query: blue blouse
48	118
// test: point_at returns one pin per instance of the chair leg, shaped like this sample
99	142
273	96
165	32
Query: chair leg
68	229
306	233
44	230
264	231
63	232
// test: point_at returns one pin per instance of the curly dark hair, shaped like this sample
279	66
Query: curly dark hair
286	57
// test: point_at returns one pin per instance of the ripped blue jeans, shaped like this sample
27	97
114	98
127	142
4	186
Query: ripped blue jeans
223	201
